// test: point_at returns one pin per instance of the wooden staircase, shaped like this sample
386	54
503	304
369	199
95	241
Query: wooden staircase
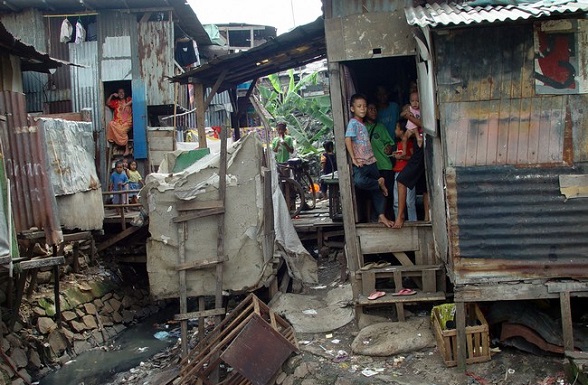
412	261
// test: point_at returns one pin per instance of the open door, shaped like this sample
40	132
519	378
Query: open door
139	119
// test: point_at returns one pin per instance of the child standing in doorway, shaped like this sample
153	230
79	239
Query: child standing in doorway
365	172
135	180
118	182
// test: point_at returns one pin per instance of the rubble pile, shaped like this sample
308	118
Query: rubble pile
92	313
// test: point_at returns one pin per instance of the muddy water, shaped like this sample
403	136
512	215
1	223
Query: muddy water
132	346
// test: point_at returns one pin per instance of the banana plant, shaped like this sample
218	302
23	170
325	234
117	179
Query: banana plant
309	119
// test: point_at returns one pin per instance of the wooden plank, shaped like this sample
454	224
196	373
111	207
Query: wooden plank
200	264
558	287
524	114
399	306
200	111
338	102
214	88
429	281
502	292
198	205
574	186
182	234
386	240
403	258
199	314
566	320
119	237
389	299
502	133
513	132
41	262
198	214
81	236
460	326
368	282
268	217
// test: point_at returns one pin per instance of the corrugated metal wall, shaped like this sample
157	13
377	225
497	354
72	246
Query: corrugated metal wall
84	80
27	167
58	90
115	30
156	52
507	213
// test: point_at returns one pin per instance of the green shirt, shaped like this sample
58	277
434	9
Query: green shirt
379	139
282	155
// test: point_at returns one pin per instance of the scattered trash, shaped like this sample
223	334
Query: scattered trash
330	335
509	371
309	312
162	335
335	341
368	372
319	287
399	360
141	350
304	342
478	379
341	356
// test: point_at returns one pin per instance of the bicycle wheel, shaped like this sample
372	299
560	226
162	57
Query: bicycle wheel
294	196
309	191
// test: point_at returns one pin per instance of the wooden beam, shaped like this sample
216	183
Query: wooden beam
198	205
199	314
118	237
214	89
199	264
198	214
566	320
200	111
460	325
42	262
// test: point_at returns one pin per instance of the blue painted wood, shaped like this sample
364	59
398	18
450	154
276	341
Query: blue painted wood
139	119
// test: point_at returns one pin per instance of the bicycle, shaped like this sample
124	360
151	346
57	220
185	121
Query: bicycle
297	185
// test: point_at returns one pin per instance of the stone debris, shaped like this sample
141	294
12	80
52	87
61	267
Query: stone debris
91	313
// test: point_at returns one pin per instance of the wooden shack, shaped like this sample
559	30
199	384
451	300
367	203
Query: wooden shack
502	91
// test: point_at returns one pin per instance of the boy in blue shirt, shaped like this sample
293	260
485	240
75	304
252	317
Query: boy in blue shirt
118	182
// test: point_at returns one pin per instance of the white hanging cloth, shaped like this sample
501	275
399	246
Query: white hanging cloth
80	33
66	31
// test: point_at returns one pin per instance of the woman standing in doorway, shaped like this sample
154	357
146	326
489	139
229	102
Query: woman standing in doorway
122	120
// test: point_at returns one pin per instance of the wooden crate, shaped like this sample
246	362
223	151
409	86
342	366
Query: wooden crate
477	336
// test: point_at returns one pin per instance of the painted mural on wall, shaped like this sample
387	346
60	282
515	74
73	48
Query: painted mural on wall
560	58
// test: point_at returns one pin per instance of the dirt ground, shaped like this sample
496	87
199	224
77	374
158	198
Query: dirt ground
327	359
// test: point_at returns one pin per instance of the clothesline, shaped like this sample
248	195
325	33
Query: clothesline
73	15
184	113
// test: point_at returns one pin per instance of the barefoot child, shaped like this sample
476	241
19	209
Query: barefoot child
135	180
118	182
365	172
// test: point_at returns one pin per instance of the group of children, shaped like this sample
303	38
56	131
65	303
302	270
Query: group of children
125	177
387	155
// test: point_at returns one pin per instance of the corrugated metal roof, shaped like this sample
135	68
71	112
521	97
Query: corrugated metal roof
187	19
444	14
304	44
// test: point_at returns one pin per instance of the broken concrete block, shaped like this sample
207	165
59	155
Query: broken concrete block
90	321
57	342
90	308
19	357
68	315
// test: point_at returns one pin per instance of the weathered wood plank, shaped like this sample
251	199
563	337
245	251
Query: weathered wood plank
573	186
193	265
199	314
41	262
386	240
566	320
198	214
198	205
120	236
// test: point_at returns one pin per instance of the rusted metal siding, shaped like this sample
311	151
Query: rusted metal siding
513	223
156	45
85	81
61	78
34	85
487	102
33	197
115	30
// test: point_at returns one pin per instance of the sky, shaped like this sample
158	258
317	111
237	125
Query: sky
282	14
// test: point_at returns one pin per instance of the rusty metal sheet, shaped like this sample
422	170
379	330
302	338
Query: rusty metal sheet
258	351
508	223
156	60
33	197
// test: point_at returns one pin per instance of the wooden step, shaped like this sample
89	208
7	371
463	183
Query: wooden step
393	299
381	272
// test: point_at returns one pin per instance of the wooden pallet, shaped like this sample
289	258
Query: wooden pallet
205	358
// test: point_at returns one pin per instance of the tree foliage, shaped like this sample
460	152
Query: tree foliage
309	119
